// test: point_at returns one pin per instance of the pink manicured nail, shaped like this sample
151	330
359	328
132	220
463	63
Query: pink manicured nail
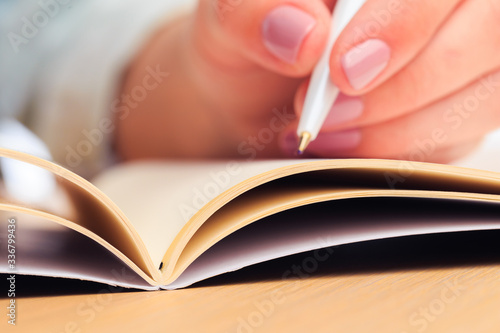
336	142
284	30
345	108
365	62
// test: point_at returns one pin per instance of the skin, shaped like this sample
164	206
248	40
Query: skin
223	83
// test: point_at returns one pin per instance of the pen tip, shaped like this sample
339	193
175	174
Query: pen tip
305	138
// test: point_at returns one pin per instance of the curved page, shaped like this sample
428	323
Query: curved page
168	202
291	186
92	213
334	223
251	207
160	198
46	248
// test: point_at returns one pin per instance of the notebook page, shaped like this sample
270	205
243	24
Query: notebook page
160	197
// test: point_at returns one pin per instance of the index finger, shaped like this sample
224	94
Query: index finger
382	38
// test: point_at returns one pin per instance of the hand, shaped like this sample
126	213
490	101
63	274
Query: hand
234	67
421	89
421	81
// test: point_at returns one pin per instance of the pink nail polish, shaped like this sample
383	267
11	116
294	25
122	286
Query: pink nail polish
345	109
336	142
284	29
365	62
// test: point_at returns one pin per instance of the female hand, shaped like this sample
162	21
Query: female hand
418	79
421	81
234	67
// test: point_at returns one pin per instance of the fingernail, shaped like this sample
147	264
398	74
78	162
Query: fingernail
284	30
345	108
336	142
365	62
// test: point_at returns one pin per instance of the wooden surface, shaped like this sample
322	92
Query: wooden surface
415	289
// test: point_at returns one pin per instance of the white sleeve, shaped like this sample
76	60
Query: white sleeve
61	65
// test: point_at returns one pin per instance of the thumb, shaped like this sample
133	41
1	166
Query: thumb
285	38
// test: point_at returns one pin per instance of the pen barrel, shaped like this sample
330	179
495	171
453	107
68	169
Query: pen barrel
317	105
322	93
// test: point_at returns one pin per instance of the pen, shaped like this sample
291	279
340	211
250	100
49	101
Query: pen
322	93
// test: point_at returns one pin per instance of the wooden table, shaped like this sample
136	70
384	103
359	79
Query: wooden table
418	284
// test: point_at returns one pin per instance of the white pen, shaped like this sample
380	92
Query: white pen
322	93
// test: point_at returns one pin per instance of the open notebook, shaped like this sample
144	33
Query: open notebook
167	225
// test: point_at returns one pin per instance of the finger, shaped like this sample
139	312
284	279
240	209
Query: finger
447	64
461	118
463	50
442	155
286	38
383	37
